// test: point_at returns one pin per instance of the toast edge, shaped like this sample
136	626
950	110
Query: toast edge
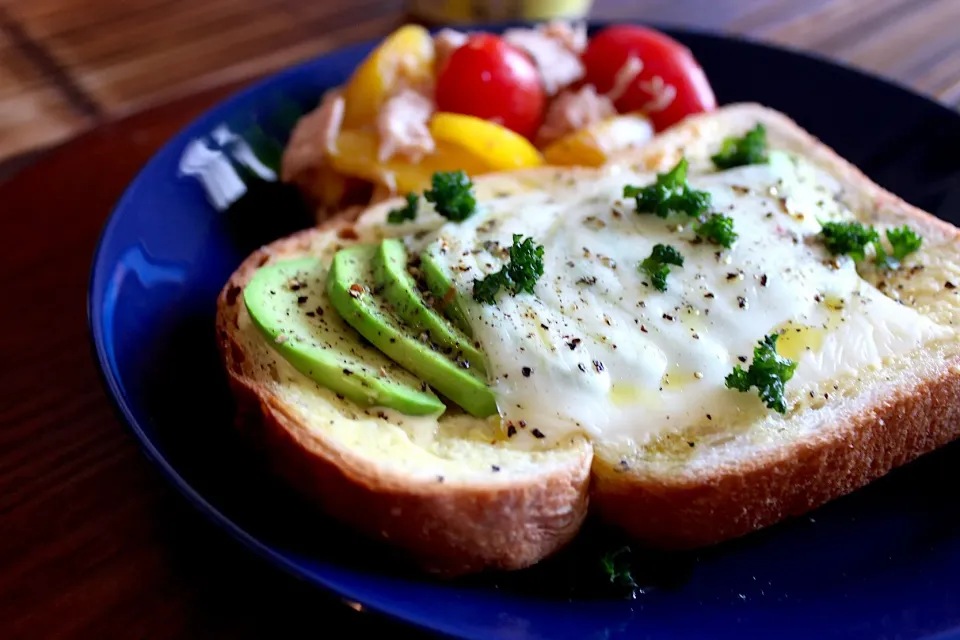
685	512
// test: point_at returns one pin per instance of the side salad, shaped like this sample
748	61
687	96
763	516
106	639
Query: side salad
480	102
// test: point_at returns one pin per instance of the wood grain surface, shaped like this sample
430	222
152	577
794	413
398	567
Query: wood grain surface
93	544
69	65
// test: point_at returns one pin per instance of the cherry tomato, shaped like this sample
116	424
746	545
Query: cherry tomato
490	79
666	64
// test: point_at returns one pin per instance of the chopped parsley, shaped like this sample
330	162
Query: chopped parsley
903	241
853	238
669	193
519	275
405	213
452	195
769	373
749	149
616	567
486	289
849	238
657	265
718	229
526	264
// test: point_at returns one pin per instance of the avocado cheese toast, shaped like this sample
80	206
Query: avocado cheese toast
695	341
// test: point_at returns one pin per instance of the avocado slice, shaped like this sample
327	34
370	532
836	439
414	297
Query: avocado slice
351	289
441	288
287	302
399	289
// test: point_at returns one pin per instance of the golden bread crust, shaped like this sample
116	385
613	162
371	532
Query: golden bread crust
445	527
689	511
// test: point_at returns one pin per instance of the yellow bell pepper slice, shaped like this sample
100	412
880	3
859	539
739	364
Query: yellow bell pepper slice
594	145
406	55
493	144
356	155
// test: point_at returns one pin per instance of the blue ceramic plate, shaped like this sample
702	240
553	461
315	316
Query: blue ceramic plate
883	562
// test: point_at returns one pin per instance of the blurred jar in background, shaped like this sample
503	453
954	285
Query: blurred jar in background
461	11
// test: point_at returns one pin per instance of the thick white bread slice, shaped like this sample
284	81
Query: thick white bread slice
677	494
384	478
452	495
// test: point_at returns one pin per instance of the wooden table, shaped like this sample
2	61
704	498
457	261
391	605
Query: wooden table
67	66
92	543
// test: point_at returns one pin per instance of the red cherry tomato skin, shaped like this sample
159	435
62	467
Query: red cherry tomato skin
662	57
490	79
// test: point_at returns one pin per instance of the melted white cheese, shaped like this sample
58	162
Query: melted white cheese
598	350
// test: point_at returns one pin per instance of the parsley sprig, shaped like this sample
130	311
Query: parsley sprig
617	568
404	213
769	373
657	265
903	241
751	148
669	193
452	195
518	275
718	229
853	238
848	238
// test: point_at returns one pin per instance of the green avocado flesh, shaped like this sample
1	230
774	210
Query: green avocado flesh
441	288
399	289
288	304
351	290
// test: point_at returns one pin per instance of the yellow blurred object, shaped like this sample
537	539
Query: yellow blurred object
594	145
490	143
554	9
461	11
356	155
405	55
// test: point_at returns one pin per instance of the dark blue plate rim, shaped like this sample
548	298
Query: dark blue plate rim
107	371
108	376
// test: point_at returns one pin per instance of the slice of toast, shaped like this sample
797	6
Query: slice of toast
672	494
454	496
458	497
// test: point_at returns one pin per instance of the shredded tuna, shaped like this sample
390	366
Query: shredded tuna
662	94
572	110
554	51
625	76
313	137
402	126
445	42
573	36
409	75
